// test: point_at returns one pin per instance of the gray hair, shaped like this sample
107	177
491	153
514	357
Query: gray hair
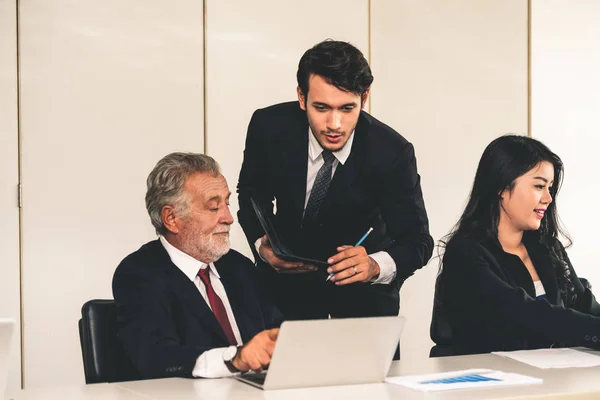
165	183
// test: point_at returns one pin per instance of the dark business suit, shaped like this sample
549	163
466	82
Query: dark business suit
488	299
165	324
377	186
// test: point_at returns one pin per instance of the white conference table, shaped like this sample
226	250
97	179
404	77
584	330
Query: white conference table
573	383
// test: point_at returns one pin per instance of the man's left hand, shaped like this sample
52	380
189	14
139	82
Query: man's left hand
352	264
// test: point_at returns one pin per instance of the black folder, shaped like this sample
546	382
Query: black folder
279	248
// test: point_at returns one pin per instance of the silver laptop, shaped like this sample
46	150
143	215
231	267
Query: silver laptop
7	327
330	352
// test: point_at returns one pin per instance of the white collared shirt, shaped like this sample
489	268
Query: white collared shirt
387	266
209	364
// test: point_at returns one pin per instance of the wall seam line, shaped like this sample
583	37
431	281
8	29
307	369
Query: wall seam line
20	180
204	80
529	133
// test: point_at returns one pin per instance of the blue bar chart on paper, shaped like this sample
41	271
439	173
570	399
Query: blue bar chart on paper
462	378
466	379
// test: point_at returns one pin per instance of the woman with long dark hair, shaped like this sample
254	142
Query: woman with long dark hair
506	282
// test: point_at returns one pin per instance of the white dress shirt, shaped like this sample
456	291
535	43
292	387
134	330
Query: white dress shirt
387	266
209	364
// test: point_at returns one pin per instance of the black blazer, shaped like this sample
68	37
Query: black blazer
378	186
488	299
165	324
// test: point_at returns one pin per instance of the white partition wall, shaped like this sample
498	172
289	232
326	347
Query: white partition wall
107	88
450	77
565	60
253	49
9	179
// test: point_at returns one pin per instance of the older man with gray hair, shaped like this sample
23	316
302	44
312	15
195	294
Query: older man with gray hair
187	304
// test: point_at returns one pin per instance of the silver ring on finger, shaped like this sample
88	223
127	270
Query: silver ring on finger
355	271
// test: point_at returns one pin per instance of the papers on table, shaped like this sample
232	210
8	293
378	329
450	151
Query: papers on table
467	379
553	358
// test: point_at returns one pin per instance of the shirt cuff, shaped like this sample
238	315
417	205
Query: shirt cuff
387	268
210	364
257	247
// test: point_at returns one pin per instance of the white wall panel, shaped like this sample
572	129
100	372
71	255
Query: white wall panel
9	179
450	77
565	61
253	49
108	88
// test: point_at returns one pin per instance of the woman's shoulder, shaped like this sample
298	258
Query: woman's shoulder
469	244
473	251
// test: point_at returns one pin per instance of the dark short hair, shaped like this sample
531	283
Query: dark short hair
339	63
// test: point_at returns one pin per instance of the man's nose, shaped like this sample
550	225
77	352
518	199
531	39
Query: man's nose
335	121
226	217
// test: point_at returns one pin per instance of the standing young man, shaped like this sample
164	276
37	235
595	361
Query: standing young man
334	172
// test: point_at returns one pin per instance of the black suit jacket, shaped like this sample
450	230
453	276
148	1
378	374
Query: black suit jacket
377	186
165	324
488	299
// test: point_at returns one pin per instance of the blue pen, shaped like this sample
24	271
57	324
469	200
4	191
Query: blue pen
362	239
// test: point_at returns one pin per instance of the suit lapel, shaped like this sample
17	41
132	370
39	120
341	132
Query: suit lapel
295	159
545	270
513	267
189	294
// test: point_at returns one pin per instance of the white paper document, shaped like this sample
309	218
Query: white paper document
467	379
553	358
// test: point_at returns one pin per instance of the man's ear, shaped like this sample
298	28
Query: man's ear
364	98
301	98
169	219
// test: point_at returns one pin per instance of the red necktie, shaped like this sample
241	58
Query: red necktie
217	306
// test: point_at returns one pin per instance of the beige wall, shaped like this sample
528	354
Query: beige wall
450	77
566	114
9	179
108	88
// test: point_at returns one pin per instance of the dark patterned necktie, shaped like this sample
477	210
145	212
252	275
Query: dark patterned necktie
319	189
217	306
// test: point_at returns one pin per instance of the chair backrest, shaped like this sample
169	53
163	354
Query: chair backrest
104	359
440	330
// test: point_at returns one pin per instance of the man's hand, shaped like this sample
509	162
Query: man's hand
352	264
282	266
256	354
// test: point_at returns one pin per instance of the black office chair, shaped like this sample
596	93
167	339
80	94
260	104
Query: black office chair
104	359
440	331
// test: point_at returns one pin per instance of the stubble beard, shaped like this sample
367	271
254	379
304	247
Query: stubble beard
209	247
